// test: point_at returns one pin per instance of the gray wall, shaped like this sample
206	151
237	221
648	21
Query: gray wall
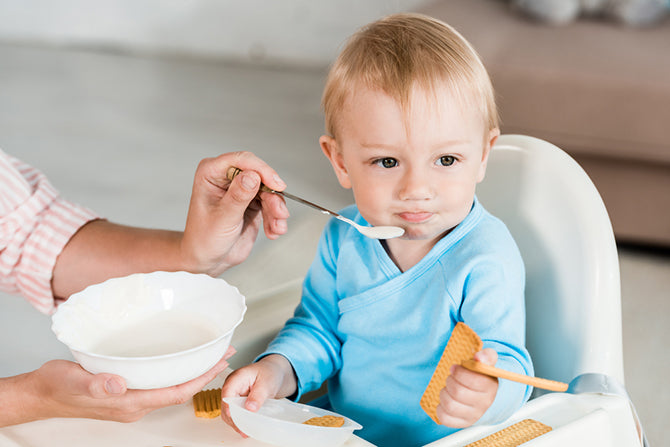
305	32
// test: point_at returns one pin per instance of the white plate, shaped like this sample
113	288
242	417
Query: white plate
280	422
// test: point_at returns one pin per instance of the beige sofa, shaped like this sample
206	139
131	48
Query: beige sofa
596	89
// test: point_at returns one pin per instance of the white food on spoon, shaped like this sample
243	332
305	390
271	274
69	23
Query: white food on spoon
380	232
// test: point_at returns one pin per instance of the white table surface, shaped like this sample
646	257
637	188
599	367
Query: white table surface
175	426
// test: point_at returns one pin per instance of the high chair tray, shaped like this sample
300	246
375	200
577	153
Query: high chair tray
576	420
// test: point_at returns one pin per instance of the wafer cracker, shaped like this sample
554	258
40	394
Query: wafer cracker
326	421
462	345
513	435
207	403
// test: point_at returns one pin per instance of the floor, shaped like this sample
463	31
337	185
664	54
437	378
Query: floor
123	134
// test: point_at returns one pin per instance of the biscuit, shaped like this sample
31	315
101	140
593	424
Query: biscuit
462	345
326	421
207	403
513	435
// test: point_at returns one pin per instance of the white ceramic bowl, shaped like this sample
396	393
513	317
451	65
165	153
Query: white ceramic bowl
154	330
280	422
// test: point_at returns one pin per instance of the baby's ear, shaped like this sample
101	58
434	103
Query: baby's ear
331	149
488	145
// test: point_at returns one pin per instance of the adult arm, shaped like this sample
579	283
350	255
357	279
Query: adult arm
60	388
223	221
222	224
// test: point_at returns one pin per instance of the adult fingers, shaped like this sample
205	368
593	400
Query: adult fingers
275	213
186	390
81	382
231	351
240	195
244	188
107	385
216	169
177	394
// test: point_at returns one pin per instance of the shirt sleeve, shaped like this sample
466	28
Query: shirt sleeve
309	340
35	225
494	308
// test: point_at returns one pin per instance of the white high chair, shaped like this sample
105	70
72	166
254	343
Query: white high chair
573	297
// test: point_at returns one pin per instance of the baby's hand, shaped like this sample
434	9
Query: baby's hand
270	377
467	394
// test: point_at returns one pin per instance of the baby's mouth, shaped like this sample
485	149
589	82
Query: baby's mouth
415	217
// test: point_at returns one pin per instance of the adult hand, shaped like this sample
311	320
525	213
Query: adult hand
224	217
467	394
223	221
61	388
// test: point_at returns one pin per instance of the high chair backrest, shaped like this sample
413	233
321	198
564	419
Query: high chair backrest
559	221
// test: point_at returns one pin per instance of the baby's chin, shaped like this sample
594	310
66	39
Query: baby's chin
419	233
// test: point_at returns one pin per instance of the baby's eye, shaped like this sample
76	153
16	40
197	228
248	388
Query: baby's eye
446	160
387	162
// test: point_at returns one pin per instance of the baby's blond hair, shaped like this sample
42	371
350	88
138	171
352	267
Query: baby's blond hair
400	51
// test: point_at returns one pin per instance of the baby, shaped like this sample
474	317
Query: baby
410	120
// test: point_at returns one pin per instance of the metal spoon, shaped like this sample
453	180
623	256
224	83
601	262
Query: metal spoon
380	232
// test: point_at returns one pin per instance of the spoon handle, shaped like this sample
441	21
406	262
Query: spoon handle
308	203
233	172
537	382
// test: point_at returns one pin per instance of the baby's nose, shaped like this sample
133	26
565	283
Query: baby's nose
415	185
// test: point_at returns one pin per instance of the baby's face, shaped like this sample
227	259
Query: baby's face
415	171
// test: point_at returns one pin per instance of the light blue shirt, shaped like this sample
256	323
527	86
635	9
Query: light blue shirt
376	333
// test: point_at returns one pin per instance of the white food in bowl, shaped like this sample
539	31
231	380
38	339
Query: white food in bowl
280	422
155	330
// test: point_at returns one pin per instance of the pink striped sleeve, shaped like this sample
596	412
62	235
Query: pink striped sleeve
35	225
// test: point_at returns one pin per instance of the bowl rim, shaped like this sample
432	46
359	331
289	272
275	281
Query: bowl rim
77	297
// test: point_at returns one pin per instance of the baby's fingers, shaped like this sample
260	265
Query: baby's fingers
237	384
227	418
467	385
259	393
465	398
488	356
452	413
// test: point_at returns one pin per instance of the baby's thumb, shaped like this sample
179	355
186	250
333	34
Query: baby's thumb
256	398
488	356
